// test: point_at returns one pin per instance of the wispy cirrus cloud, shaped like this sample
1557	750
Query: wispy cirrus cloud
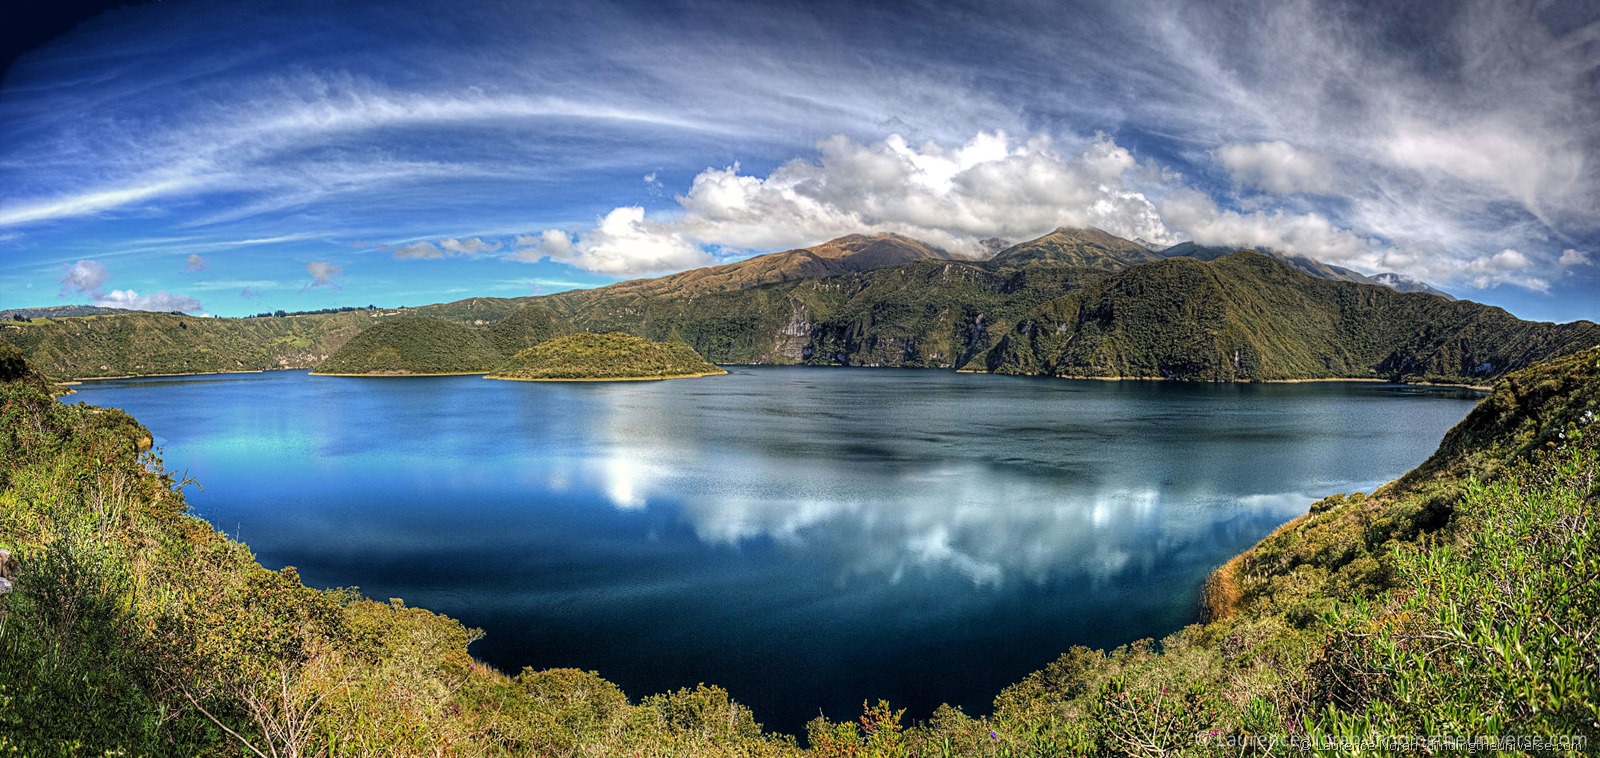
1419	137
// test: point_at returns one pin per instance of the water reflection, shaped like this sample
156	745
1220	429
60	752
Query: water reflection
985	487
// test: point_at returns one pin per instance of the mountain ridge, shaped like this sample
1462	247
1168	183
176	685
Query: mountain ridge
1066	304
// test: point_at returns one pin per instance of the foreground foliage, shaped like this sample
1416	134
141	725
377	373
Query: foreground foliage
1459	603
137	629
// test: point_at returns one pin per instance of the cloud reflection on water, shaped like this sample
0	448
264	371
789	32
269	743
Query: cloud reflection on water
988	522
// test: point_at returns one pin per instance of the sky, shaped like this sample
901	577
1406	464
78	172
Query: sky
230	157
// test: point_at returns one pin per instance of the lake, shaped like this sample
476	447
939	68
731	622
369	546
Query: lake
808	538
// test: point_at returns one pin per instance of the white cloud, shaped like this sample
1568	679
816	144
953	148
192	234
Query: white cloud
625	244
195	263
417	251
991	186
1277	167
425	250
1571	257
322	274
1309	234
1506	266
161	302
84	278
470	246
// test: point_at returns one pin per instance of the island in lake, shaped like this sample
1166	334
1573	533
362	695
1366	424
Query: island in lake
613	356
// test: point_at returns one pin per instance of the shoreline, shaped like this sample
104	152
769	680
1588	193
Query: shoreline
610	379
1346	379
82	379
489	375
401	375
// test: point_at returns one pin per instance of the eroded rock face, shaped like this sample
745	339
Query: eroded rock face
795	337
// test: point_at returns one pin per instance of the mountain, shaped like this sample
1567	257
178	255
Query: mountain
1072	303
850	254
1308	265
603	357
1068	247
58	311
414	345
141	344
527	326
1403	283
1247	316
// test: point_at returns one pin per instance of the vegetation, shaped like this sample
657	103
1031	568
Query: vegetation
1077	303
527	326
1076	248
614	355
1461	601
138	344
401	345
136	629
1249	317
1312	266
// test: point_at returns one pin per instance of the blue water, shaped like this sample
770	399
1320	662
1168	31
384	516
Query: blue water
808	538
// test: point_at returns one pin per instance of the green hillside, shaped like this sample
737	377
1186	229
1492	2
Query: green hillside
1248	317
525	327
928	313
139	344
614	355
414	345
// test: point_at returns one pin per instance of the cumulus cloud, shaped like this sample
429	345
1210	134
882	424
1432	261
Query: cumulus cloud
160	301
1306	234
84	278
1309	234
1277	167
1571	257
1507	266
992	186
625	243
195	263
322	274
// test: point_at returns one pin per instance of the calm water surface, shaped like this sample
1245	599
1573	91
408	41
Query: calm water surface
808	538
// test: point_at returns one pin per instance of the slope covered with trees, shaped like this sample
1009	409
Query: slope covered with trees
414	345
1246	316
614	355
141	344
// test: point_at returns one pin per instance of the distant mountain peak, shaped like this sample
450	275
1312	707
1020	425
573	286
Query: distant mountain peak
852	253
60	311
1307	265
1077	247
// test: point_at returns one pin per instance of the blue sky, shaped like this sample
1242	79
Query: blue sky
233	157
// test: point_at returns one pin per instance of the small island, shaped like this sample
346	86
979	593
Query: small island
613	356
413	346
